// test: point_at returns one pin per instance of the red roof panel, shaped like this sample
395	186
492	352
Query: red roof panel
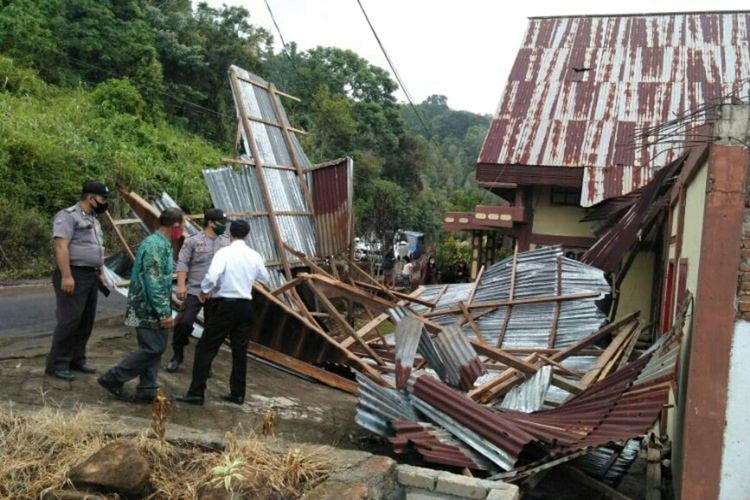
581	86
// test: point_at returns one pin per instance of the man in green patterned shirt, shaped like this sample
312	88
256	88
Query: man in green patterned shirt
149	310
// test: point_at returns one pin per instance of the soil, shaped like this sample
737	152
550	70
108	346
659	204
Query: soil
305	411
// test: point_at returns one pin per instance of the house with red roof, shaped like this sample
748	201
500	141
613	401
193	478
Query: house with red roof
624	138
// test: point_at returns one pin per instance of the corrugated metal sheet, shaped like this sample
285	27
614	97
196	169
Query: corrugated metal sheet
529	324
408	332
459	358
378	406
332	191
581	86
529	396
269	138
236	190
436	445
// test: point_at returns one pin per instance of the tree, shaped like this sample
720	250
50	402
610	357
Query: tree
384	209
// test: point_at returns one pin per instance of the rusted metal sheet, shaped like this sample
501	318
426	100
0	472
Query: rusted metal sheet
332	190
581	87
461	361
609	251
436	445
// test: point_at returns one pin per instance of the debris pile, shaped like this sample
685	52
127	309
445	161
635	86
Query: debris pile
516	371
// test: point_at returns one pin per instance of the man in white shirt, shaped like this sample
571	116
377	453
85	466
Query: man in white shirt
227	291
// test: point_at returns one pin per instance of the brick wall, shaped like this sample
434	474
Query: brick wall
743	280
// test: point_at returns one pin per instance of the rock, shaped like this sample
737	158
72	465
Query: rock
212	493
117	467
76	495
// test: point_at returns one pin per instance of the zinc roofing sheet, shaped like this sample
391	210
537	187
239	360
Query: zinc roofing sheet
580	88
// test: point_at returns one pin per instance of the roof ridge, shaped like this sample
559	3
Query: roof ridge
644	14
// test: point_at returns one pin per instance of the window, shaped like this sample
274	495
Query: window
565	196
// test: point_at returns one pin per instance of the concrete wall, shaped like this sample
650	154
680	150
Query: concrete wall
635	289
558	220
735	480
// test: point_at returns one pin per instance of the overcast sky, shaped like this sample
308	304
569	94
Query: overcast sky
462	49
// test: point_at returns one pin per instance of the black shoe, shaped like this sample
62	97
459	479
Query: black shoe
144	399
115	388
83	368
189	399
175	363
61	374
231	398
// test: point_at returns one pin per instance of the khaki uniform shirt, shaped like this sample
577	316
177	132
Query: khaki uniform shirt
84	233
195	258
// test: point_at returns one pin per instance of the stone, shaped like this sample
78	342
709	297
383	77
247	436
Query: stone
417	477
376	472
74	495
507	492
208	492
428	495
461	486
118	467
338	490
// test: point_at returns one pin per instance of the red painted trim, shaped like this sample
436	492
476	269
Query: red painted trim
713	323
491	175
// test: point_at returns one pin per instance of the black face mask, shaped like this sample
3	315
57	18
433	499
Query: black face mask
100	208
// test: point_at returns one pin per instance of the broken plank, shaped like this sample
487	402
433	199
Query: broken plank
397	295
476	284
473	324
312	371
365	367
616	346
341	321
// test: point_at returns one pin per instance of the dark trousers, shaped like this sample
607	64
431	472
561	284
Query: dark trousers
143	362
183	326
75	319
228	318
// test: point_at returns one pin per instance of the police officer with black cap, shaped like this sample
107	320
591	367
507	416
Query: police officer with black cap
79	255
192	265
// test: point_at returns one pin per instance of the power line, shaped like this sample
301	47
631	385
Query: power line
395	72
281	37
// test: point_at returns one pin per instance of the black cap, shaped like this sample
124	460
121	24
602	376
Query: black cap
214	214
95	187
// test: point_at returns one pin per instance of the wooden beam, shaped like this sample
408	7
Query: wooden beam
341	321
511	296
476	284
365	367
556	314
120	236
285	129
288	285
508	379
396	295
473	324
607	491
610	355
515	302
312	371
354	293
559	366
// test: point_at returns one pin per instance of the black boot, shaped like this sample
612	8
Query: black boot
176	361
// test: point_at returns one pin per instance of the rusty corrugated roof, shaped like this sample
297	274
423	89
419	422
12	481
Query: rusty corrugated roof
581	87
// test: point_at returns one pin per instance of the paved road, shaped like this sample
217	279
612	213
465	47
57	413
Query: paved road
31	309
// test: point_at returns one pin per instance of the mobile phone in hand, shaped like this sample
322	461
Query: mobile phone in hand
103	288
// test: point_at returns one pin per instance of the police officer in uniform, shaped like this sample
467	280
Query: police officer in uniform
192	265
79	255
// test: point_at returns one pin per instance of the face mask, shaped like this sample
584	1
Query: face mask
219	229
100	208
176	233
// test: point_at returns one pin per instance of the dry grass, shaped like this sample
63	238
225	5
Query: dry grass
38	450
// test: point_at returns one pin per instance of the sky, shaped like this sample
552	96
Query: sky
461	49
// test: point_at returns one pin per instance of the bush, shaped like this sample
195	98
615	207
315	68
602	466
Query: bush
25	242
